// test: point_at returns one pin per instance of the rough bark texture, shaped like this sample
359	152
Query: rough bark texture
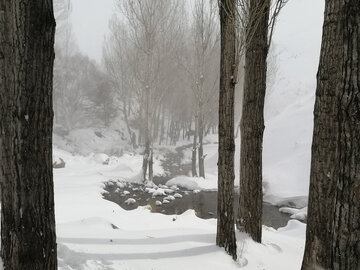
252	123
333	230
28	239
226	223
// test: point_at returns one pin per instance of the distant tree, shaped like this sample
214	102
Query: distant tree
153	32
206	52
28	239
333	227
225	210
83	94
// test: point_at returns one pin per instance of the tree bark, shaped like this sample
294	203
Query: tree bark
333	230
225	209
201	136
194	148
28	239
146	133
252	124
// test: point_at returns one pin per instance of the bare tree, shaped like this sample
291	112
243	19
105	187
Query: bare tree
252	126
333	231
258	33
152	32
206	45
200	61
226	223
28	239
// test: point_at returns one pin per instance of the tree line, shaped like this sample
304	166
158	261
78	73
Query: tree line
145	64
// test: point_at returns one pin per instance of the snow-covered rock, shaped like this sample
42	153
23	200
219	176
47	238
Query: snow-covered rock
169	198
130	201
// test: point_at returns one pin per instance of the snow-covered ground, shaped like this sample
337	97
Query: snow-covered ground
94	233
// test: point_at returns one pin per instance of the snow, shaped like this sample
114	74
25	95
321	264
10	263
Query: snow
94	233
299	214
286	158
130	201
194	183
169	198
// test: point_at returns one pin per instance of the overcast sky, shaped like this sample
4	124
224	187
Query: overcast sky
297	38
90	22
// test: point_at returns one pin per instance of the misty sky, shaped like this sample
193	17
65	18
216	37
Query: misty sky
90	20
297	37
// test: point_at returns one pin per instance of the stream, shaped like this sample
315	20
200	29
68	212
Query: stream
129	195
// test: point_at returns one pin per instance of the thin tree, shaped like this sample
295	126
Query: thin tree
333	229
226	223
28	239
206	45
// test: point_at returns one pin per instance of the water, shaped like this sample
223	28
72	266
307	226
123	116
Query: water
203	202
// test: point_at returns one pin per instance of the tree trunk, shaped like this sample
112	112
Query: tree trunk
200	149
162	131
146	134
151	172
126	119
194	148
252	124
225	209
28	239
333	230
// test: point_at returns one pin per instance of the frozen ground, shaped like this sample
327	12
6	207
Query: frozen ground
94	233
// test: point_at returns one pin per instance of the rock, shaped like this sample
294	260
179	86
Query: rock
101	158
58	163
178	195
174	187
158	203
165	201
130	201
169	198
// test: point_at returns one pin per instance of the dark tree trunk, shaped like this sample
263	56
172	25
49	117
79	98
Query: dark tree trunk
225	209
252	123
333	230
28	239
194	148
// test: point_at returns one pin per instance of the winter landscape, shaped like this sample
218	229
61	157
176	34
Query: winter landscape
147	164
